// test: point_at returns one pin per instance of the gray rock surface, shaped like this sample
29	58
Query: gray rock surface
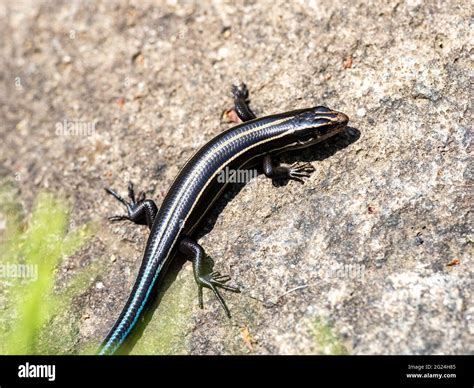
355	261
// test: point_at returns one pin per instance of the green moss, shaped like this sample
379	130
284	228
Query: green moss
169	319
325	338
64	325
30	306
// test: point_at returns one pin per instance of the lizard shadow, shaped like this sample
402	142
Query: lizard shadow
315	153
318	152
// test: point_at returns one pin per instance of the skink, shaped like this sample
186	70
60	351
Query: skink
196	188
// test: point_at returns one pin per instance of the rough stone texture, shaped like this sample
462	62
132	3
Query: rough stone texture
354	261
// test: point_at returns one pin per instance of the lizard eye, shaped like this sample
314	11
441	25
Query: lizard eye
305	135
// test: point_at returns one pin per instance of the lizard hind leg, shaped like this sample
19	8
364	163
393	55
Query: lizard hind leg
140	210
204	279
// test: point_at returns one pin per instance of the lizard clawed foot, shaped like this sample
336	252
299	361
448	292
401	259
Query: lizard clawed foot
240	91
299	170
140	210
213	281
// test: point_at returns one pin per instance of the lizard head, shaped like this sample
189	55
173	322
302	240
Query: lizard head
316	124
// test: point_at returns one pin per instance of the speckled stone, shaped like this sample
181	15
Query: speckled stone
357	260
